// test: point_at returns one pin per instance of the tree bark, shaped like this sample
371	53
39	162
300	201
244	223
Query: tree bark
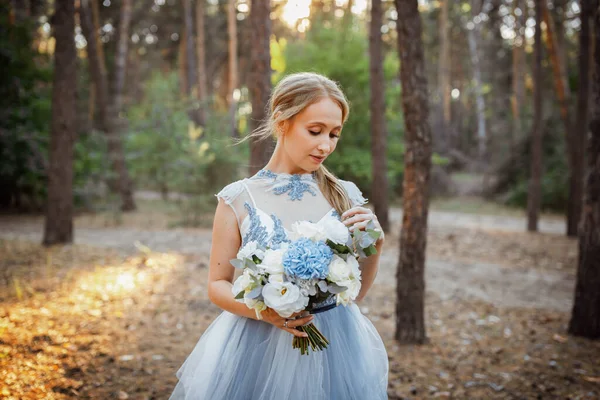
580	132
410	322
535	186
107	113
58	227
259	83
379	191
473	32
121	55
518	71
564	94
585	318
444	74
201	54
232	81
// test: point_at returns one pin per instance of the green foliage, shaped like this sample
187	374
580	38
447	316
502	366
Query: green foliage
168	153
341	53
25	102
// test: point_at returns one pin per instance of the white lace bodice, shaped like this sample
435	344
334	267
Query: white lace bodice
267	204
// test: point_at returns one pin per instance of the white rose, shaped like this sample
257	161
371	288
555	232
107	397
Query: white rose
335	230
350	294
250	249
339	270
285	298
272	262
244	282
354	267
309	230
276	278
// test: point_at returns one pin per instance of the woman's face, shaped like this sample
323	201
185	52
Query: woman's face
312	135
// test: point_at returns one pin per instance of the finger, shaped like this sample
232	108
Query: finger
359	225
355	210
358	218
300	321
296	332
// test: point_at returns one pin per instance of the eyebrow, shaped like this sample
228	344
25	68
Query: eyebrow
323	124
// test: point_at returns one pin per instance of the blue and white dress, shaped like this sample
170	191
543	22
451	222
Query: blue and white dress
238	358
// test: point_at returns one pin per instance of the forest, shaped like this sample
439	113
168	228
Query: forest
474	131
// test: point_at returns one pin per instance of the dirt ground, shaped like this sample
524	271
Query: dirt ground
115	315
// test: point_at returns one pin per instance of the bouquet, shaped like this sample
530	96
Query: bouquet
320	260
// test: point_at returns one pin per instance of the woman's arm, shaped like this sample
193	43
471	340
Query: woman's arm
369	267
226	242
358	218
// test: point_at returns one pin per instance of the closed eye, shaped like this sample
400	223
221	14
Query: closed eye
333	135
315	133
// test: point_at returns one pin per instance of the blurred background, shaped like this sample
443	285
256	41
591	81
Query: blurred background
132	109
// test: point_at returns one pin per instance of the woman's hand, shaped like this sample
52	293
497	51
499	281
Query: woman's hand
359	217
269	315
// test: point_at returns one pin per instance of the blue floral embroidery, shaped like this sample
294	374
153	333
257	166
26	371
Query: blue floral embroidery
279	235
336	214
296	188
256	232
265	173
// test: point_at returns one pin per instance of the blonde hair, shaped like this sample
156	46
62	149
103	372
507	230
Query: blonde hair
293	94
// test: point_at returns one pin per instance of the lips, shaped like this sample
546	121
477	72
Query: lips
317	159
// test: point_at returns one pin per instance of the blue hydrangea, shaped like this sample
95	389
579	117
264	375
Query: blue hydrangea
306	259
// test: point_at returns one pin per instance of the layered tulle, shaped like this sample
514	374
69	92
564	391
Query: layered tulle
242	359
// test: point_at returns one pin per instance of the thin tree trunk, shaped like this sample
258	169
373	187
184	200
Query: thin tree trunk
232	81
183	84
444	74
259	83
580	132
535	186
107	114
58	227
518	71
379	191
410	321
564	94
585	318
201	54
190	61
472	35
121	55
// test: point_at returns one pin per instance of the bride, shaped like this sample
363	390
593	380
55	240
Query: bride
242	357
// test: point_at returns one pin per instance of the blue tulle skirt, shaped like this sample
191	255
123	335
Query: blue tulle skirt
239	358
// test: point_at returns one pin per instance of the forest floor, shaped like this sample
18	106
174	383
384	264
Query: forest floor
115	314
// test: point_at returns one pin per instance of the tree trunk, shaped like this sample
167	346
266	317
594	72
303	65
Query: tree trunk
410	322
379	191
444	74
580	133
121	55
518	71
232	81
58	227
473	32
585	319
535	187
108	115
201	54
564	94
259	83
190	61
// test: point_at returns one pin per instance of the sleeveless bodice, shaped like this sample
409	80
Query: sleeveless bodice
267	204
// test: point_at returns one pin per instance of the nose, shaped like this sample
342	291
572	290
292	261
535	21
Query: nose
324	147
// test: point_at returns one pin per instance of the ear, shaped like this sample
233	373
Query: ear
282	128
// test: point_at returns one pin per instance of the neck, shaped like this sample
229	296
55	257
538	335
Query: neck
280	163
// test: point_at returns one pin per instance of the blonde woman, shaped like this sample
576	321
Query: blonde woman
242	358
